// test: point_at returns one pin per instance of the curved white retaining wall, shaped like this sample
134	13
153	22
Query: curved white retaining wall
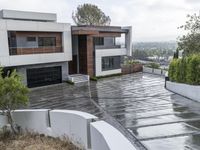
108	137
81	128
154	71
189	91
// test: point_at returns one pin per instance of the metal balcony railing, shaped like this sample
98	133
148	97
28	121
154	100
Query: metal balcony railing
35	50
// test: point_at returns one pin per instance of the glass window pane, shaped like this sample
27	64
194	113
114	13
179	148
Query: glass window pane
46	41
110	63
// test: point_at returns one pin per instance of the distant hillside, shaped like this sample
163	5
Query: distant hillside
155	46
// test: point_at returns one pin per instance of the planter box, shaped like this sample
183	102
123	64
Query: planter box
157	71
147	70
164	72
154	71
189	91
131	69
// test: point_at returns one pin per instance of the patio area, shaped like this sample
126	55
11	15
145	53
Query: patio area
137	104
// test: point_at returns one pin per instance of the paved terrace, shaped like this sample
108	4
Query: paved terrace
137	104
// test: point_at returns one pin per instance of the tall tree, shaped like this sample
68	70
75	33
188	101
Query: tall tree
13	94
190	43
88	14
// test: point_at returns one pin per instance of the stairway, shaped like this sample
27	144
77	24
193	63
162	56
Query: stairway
78	78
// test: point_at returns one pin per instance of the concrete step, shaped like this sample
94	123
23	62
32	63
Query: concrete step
78	78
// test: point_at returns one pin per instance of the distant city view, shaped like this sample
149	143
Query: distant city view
160	52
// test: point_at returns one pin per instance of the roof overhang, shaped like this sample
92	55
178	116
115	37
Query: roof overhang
98	30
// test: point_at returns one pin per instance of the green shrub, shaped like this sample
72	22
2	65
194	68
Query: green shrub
185	70
172	70
129	62
93	78
193	75
70	82
153	65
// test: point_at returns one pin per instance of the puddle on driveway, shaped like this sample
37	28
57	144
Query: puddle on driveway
176	143
163	131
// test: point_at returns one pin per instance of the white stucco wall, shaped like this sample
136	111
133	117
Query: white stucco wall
13	14
57	123
189	91
103	53
157	71
128	40
74	124
108	137
79	127
35	121
154	71
17	25
147	70
3	121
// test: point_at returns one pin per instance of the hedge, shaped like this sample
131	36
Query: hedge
153	65
185	70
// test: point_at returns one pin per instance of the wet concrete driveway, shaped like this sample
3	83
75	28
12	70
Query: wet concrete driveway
137	104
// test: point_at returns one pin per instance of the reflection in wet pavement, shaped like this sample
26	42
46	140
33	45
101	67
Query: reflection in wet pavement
138	102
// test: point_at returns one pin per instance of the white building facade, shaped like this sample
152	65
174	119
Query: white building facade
34	44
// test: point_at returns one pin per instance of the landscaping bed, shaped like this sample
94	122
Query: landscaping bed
132	68
33	142
185	70
184	77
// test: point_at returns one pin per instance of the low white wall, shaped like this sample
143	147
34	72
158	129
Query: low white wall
154	71
147	70
56	123
3	121
108	137
74	124
157	71
189	91
80	127
32	120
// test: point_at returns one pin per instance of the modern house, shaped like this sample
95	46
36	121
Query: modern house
36	46
97	50
47	52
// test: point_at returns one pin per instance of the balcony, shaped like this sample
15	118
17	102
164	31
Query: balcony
35	50
110	42
26	43
109	46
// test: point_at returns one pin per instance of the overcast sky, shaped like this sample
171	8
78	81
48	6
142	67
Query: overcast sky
152	20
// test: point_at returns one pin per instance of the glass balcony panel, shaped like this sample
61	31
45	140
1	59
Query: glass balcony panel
35	50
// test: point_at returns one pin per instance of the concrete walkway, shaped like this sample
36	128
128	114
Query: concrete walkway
138	105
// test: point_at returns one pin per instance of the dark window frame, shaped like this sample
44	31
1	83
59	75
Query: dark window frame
111	63
31	39
43	43
99	41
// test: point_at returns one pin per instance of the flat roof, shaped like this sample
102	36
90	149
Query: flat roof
26	15
92	30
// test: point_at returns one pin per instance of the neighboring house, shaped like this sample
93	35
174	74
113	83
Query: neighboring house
36	46
97	50
45	52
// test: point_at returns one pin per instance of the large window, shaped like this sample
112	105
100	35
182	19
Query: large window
46	41
31	39
99	41
110	63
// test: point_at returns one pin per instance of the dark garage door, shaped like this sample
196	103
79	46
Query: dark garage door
43	76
